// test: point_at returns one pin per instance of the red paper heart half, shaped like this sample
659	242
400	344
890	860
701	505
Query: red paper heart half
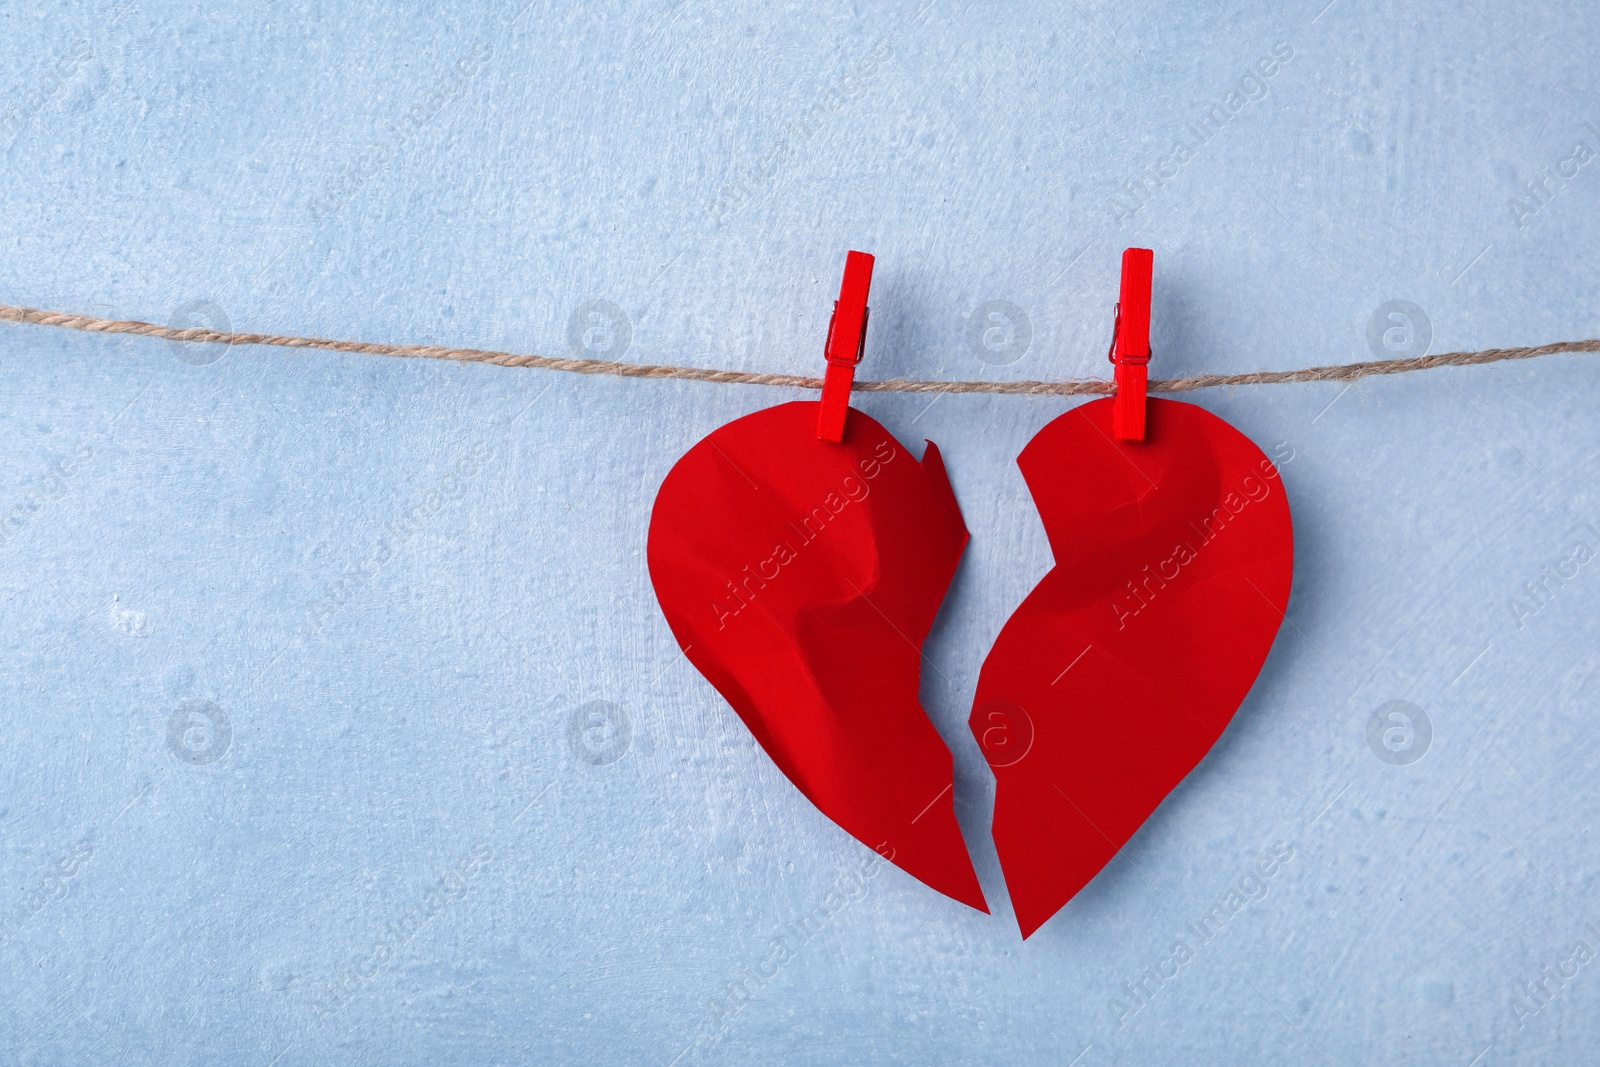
801	577
1119	671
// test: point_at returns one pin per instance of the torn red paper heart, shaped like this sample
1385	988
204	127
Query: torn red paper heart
800	577
1119	671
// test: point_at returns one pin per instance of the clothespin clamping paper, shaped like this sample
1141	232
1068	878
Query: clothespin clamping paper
847	337
1130	345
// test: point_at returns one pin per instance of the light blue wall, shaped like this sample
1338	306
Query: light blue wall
399	581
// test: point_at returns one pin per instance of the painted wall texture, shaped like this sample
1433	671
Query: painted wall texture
338	722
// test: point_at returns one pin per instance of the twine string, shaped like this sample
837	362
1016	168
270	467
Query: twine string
1341	372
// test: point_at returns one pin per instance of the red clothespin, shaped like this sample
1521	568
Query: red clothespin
1130	345
847	337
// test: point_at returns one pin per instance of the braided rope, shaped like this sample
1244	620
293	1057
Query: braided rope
1342	372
